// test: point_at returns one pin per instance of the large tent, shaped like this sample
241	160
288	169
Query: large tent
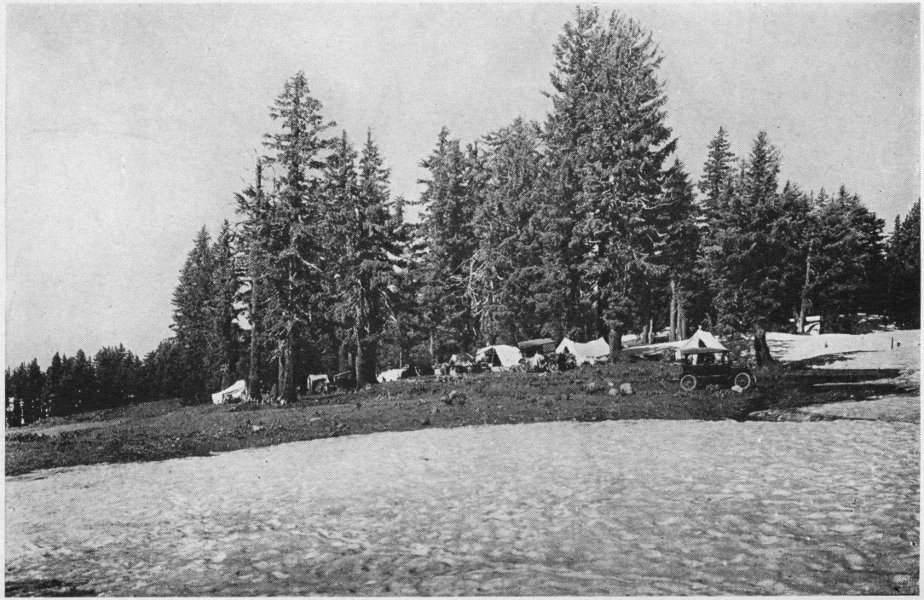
701	339
587	353
237	392
508	356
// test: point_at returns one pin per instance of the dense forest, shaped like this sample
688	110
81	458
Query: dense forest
582	225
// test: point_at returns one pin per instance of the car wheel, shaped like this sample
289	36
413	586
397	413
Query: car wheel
744	380
688	382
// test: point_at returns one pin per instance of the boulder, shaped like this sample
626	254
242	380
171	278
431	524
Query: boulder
626	389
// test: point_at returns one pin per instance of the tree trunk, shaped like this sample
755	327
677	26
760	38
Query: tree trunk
645	333
615	342
804	301
681	319
288	388
672	335
761	349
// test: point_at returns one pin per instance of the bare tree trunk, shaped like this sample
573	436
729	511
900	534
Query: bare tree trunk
681	317
804	301
253	377
288	391
280	368
672	335
615	342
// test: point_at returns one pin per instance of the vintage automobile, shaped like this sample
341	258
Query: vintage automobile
704	366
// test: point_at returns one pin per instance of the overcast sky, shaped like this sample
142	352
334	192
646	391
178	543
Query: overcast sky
129	127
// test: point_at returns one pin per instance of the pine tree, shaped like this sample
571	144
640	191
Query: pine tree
849	261
293	244
225	338
904	270
677	249
51	398
192	318
744	253
34	381
368	246
717	172
510	261
451	244
610	118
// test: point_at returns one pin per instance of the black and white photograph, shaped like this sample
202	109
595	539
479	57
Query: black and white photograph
462	299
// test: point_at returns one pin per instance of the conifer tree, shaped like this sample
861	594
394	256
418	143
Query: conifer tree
510	259
367	244
717	172
192	318
451	244
610	118
225	339
293	244
849	261
904	269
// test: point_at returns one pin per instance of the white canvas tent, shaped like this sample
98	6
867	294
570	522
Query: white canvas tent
585	354
509	356
700	339
390	375
238	392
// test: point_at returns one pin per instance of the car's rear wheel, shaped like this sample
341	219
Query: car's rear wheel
744	380
688	382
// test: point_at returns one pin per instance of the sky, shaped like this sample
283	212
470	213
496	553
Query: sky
129	127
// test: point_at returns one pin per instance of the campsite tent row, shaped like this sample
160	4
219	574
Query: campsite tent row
505	356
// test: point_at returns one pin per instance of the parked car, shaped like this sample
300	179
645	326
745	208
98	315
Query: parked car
704	366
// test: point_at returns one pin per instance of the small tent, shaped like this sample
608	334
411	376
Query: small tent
235	393
701	339
390	375
585	354
506	356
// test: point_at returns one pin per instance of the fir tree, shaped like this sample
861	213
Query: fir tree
611	119
451	244
904	269
192	318
717	172
293	244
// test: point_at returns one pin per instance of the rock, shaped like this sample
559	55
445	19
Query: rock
592	387
256	428
434	410
626	389
220	557
420	550
457	397
613	392
736	388
280	575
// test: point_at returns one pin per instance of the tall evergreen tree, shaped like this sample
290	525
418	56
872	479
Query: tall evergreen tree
368	246
451	244
611	119
717	172
849	261
225	340
293	245
904	269
192	318
511	281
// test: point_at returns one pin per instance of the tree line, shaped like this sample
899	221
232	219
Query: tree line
584	224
